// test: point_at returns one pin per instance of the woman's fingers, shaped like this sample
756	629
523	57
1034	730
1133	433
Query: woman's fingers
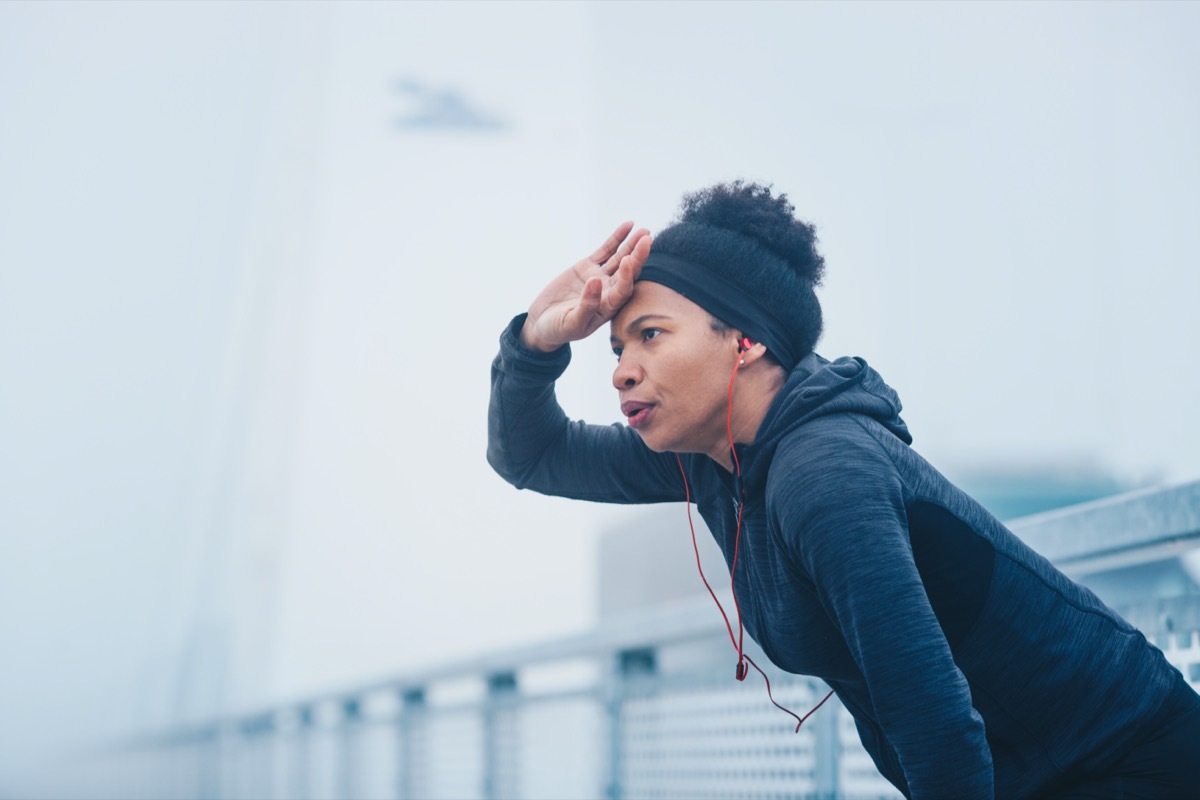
605	251
584	317
627	271
640	253
592	291
610	267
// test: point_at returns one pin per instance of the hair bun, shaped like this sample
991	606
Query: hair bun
750	210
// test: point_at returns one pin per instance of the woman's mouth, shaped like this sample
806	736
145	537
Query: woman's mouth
637	413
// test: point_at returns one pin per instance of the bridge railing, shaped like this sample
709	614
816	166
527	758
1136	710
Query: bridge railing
642	706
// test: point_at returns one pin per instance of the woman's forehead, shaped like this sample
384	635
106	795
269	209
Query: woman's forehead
654	298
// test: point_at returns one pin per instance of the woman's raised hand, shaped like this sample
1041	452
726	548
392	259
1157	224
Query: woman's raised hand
588	294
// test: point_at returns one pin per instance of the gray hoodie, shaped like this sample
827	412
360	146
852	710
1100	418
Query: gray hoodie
972	667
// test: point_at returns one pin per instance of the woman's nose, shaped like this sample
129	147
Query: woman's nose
627	374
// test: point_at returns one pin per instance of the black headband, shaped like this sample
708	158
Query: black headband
724	299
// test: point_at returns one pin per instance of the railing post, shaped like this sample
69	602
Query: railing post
499	731
209	753
827	747
410	778
302	754
263	755
225	750
348	757
629	665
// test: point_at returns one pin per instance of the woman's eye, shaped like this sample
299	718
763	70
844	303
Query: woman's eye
617	352
650	333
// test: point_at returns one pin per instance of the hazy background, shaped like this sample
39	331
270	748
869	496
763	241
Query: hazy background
254	259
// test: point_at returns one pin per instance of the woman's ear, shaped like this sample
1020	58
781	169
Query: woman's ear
749	350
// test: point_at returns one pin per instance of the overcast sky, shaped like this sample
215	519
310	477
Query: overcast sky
254	259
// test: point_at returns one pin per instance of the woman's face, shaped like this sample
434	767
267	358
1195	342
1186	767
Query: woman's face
673	371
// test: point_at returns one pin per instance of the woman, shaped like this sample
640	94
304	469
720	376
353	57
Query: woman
972	667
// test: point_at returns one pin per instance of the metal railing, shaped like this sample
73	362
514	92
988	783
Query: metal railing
643	706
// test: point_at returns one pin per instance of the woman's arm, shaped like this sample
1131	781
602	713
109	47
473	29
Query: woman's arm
839	503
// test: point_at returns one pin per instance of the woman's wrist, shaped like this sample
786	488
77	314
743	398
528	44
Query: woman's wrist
530	341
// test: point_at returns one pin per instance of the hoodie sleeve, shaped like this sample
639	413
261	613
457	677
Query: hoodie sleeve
532	444
838	502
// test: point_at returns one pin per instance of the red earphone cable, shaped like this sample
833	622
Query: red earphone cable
737	538
687	490
739	639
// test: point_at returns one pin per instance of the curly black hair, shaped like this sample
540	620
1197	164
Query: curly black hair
754	238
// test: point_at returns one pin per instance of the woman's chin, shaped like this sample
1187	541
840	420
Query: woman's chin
651	441
662	444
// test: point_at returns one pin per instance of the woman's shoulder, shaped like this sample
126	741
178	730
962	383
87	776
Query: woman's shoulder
833	463
831	444
834	494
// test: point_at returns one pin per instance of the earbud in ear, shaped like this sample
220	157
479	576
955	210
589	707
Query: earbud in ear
745	344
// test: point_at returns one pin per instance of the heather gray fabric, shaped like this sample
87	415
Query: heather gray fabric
972	667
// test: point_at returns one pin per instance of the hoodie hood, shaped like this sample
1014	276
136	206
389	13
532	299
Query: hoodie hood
816	388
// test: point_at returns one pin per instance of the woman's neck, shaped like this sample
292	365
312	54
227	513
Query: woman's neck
754	391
